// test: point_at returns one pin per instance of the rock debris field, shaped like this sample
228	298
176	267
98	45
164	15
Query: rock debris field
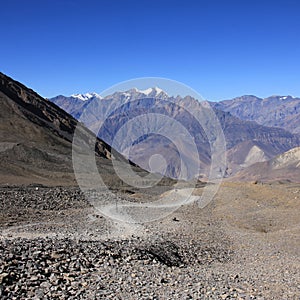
54	245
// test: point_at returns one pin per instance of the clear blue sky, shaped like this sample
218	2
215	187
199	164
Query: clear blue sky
221	48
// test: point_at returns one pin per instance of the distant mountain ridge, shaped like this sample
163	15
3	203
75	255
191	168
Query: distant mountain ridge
247	142
86	97
151	92
274	111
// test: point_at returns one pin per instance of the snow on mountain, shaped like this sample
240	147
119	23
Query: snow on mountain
86	97
135	93
149	91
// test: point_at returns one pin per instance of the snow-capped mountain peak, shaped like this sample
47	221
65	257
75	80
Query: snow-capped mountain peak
289	97
86	97
151	91
148	91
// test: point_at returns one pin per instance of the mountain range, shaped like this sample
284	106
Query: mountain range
247	141
36	136
274	111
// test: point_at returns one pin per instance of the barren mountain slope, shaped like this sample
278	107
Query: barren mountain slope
285	166
36	137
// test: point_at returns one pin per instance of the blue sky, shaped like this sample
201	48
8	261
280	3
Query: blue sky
222	49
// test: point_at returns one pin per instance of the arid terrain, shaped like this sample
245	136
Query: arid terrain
243	245
149	150
56	243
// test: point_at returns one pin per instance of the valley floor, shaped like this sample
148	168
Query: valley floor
243	245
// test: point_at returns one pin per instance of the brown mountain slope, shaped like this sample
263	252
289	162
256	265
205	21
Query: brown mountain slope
36	138
284	167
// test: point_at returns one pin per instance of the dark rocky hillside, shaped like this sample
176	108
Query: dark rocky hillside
36	137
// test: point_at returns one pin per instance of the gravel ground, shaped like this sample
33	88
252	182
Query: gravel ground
53	245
